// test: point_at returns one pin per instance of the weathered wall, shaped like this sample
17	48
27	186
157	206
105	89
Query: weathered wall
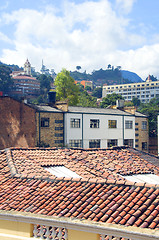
17	124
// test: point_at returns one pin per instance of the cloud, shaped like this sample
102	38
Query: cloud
89	34
125	6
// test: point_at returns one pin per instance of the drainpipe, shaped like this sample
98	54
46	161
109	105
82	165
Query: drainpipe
123	130
82	130
39	129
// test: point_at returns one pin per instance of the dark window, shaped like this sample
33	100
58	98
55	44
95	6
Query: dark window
58	121
129	142
58	141
45	122
112	123
58	134
94	143
75	123
75	143
112	142
136	129
94	123
136	124
144	145
136	134
58	128
128	124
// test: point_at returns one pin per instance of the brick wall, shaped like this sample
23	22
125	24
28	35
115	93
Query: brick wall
17	124
52	135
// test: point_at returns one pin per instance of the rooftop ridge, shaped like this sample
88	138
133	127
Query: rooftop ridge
10	162
87	180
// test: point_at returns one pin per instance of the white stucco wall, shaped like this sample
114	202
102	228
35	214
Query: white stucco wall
103	133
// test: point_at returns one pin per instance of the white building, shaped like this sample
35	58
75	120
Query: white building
144	91
98	128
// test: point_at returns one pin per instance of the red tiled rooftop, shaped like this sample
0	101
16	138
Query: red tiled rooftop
26	187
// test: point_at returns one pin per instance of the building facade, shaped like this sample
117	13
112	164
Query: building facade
98	128
49	126
17	124
144	91
27	125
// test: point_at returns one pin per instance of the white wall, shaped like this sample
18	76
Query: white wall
103	132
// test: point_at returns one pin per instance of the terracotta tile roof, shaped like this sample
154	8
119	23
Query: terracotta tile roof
26	187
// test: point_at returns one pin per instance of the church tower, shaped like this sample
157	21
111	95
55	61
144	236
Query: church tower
27	67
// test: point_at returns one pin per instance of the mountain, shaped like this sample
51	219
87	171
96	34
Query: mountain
131	76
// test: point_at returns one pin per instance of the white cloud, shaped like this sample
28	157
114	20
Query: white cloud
89	34
125	6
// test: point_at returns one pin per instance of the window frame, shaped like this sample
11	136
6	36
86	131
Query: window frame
94	123
128	124
112	142
94	143
45	122
75	143
112	123
75	123
144	125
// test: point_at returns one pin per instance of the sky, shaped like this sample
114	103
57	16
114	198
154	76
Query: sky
90	34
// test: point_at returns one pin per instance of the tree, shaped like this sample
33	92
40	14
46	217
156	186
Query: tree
66	87
86	100
97	92
78	67
110	99
136	101
6	81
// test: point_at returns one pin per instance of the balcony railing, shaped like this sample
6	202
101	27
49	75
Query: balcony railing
44	227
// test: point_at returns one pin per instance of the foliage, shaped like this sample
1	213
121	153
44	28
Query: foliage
97	92
66	87
110	99
78	67
6	81
86	100
78	76
136	102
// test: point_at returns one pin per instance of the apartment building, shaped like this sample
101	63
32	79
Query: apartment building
144	91
98	128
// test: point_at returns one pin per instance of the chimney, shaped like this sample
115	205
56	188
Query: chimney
52	97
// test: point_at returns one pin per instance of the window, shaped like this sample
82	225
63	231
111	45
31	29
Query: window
58	121
94	123
129	142
58	134
45	122
144	145
75	123
112	142
58	128
112	123
94	143
128	124
58	141
75	143
136	124
144	125
136	129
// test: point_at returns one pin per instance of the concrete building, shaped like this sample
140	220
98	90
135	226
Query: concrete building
98	128
144	91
